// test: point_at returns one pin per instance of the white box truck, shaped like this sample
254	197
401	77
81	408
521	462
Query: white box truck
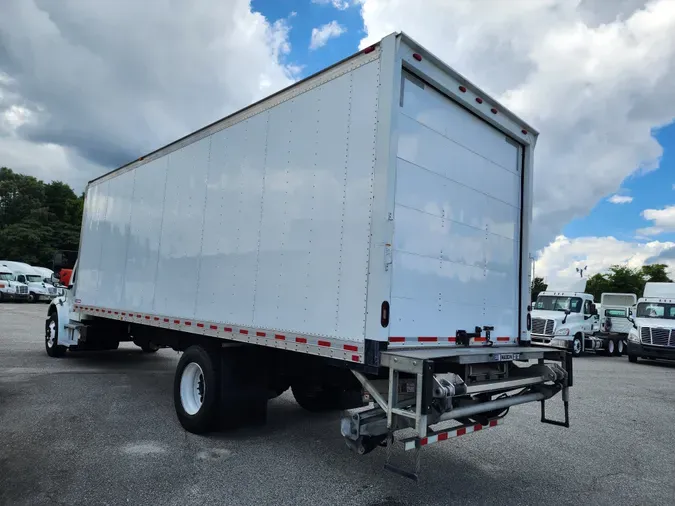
362	234
616	309
652	334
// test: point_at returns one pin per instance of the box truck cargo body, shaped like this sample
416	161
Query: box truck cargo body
374	213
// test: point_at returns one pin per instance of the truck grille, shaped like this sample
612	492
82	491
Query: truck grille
657	337
542	326
23	289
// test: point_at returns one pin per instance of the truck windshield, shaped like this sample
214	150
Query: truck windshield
6	276
656	310
34	278
552	303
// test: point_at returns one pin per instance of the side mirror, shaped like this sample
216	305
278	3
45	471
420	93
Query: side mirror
594	310
567	311
630	311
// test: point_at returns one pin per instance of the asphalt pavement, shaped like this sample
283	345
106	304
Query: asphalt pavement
100	428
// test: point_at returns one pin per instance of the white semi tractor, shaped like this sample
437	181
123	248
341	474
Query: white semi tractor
10	288
38	289
616	310
652	334
364	231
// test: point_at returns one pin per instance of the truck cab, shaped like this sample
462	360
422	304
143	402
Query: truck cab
10	289
615	310
653	325
38	290
563	319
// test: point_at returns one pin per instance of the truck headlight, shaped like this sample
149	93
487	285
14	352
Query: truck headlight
633	336
562	332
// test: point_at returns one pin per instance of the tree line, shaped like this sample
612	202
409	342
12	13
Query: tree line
618	279
36	218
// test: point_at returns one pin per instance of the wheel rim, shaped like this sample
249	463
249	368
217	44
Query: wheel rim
610	346
192	388
620	346
577	346
51	335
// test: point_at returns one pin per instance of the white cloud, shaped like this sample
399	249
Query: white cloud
338	4
663	221
321	35
594	77
77	99
620	199
557	262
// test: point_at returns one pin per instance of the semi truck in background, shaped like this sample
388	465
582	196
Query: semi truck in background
616	310
565	318
38	289
652	334
359	236
10	288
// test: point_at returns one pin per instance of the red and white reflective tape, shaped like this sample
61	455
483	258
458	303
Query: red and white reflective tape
313	345
446	341
411	444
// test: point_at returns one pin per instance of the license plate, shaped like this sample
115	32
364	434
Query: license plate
505	357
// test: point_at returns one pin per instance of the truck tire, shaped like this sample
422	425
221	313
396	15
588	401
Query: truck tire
610	347
618	347
632	358
577	345
196	390
318	398
314	398
147	346
52	346
32	297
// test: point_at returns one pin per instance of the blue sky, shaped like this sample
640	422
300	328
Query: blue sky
653	190
310	15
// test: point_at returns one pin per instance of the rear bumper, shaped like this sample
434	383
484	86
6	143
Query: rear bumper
645	351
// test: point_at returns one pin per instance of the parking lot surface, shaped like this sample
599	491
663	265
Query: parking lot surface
100	428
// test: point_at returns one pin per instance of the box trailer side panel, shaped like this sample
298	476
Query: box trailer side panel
264	222
458	240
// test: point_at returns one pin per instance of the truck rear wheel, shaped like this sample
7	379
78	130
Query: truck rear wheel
610	347
618	349
315	398
320	397
632	358
196	390
147	346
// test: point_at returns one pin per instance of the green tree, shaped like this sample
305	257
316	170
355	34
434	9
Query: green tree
656	273
596	285
538	286
37	219
622	279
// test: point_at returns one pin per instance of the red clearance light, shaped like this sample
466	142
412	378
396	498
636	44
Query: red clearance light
369	49
479	100
462	89
417	56
493	111
524	131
